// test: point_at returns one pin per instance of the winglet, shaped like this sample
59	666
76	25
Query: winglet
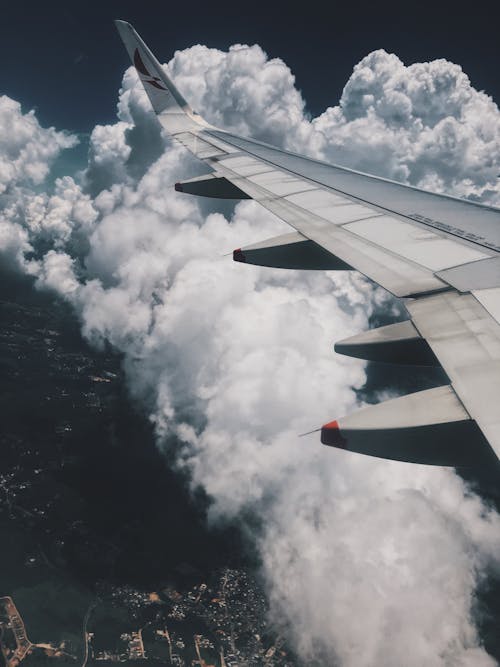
164	96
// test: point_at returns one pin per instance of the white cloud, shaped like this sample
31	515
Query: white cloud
108	155
14	244
368	562
423	124
241	89
56	272
26	149
383	563
56	217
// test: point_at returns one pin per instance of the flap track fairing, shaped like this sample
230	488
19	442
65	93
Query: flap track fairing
210	185
290	251
430	427
398	343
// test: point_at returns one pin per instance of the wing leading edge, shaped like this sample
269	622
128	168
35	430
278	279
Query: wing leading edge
439	253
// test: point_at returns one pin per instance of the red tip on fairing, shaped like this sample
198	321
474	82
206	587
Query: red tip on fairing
238	256
330	435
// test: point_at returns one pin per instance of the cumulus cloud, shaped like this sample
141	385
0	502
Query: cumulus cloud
241	89
367	562
14	244
383	563
423	124
26	149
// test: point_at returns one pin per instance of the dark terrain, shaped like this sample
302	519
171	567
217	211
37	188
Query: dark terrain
90	512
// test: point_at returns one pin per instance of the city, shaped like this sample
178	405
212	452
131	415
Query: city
221	624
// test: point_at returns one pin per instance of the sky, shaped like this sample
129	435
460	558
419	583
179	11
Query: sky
362	558
65	58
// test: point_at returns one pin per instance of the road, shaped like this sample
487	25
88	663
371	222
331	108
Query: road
86	618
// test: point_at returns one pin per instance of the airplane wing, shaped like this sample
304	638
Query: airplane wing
440	254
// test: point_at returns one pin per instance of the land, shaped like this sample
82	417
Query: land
221	623
93	518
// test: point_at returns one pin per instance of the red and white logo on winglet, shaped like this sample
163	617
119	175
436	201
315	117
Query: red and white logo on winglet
146	76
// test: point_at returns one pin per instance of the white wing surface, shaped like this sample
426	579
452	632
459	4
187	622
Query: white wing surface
438	253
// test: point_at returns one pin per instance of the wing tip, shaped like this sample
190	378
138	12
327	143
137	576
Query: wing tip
124	28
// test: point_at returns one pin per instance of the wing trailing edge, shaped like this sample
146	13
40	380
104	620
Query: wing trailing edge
398	343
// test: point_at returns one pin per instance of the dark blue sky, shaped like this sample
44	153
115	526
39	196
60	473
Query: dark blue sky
66	60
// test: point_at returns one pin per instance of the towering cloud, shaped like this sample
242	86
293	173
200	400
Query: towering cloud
367	562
